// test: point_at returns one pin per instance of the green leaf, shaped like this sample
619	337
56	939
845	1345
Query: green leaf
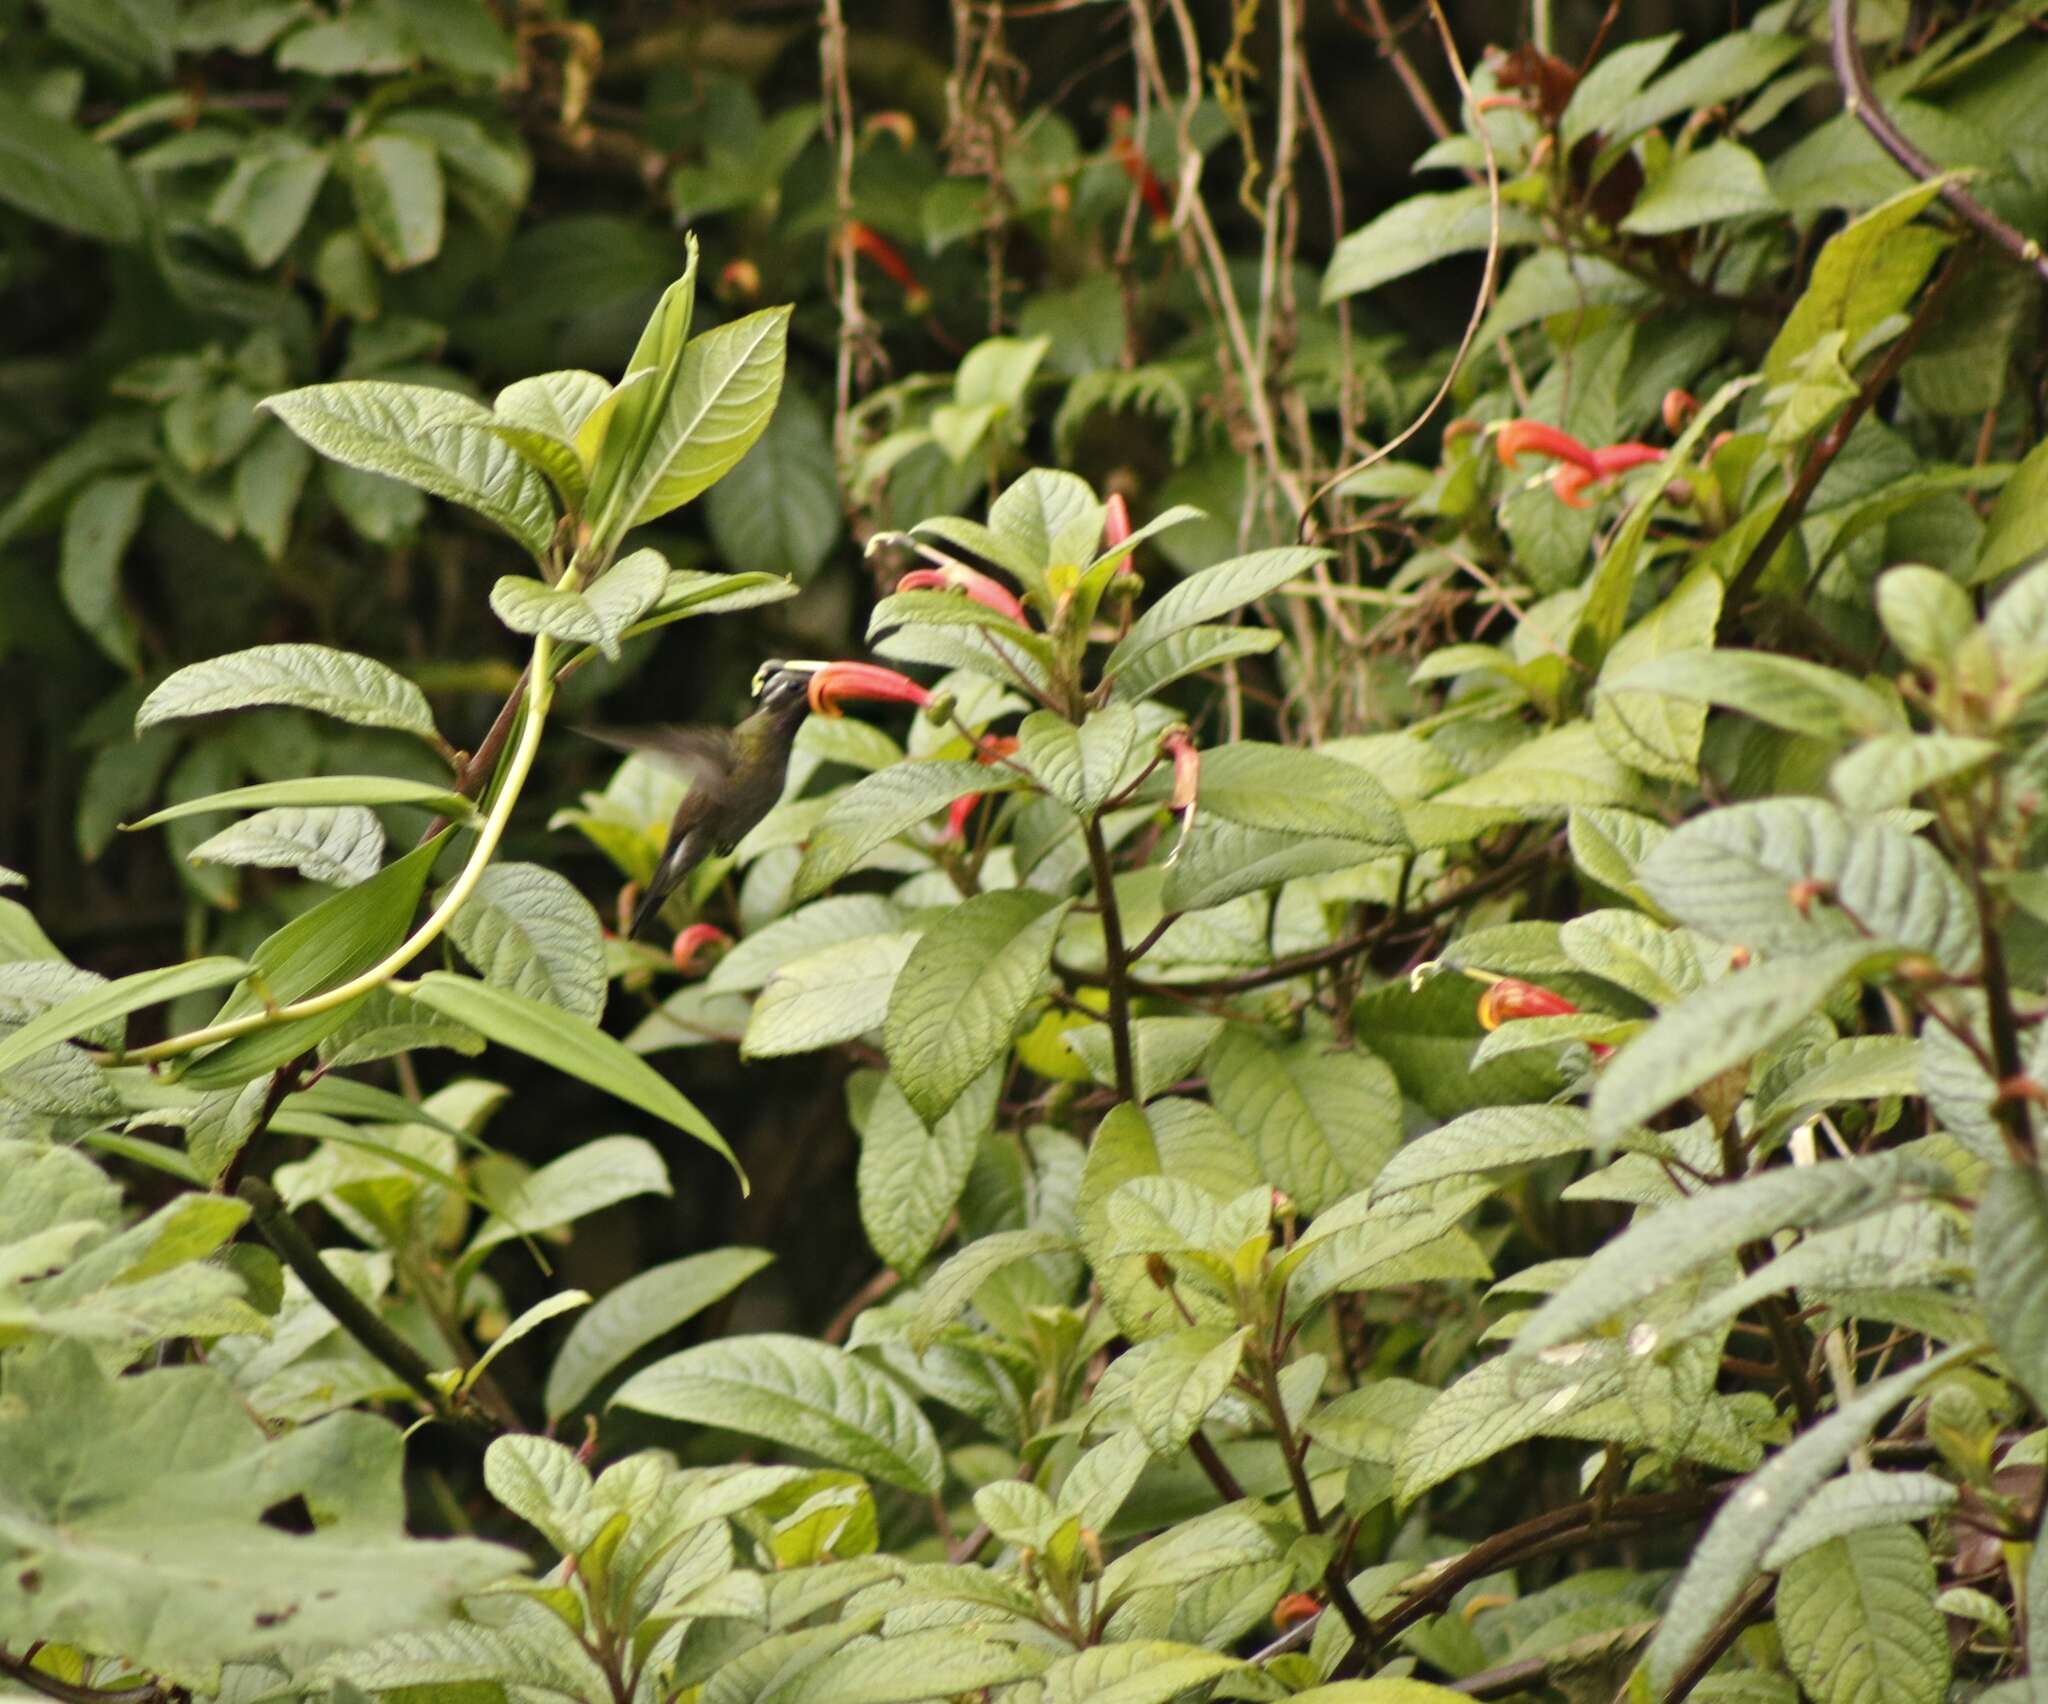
526	928
1484	1140
268	194
1721	1027
1660	1248
1926	615
2012	1266
1211	593
147	1533
1887	772
1184	1376
1607	92
725	394
1188	652
539	1314
879	807
585	1180
339	844
1787	692
792	1391
947	1291
269	477
55	172
910	1178
399	196
104	1002
1725	70
941	1663
545	418
1858	1620
1857	1502
823	923
308	677
1868	271
964	986
554	1038
1723	180
315	792
1322	1122
826	997
1726	1559
1292	791
779	508
98	528
1788	875
1651	731
1413	233
435	439
2017	530
646	1306
600	616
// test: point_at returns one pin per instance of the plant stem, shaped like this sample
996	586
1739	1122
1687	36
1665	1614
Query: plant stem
1727	1630
350	1312
36	1680
1116	967
540	690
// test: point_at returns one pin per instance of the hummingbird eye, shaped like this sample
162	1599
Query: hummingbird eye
765	673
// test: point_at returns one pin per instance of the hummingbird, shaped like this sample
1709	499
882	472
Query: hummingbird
735	776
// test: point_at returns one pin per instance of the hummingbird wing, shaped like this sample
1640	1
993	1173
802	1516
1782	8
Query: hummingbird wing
694	755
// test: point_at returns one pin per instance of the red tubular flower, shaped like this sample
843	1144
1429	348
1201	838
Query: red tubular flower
1531	437
1116	521
834	683
1295	1608
1124	149
693	940
1570	479
1679	408
991	749
992	594
1510	998
865	239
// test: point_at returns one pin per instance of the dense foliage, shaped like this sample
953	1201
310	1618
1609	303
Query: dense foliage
1421	1066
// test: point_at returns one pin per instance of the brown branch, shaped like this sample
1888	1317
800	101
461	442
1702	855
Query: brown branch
39	1680
1822	456
477	767
1213	1466
1727	1630
1116	975
1860	99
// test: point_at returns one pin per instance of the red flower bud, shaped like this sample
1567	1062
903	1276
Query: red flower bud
992	594
1294	1609
836	682
1510	998
991	749
1679	408
693	940
1116	521
865	239
1124	149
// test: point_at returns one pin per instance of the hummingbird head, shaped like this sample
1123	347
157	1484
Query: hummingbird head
780	685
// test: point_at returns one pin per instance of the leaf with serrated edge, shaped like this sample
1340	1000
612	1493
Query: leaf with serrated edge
790	1390
337	844
1213	592
1858	1620
1856	1502
952	1287
306	677
526	928
585	1180
317	790
2012	1272
823	998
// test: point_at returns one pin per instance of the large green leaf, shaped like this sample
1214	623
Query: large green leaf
1787	692
779	509
340	845
1858	1620
1188	652
307	677
879	807
55	172
826	997
601	615
725	394
1792	875
1726	1559
807	1395
438	440
526	928
142	1532
400	197
1413	233
1291	791
962	989
1855	1503
2012	1270
933	1664
550	1035
1322	1122
98	528
316	791
109	1000
1720	1027
588	1178
1211	593
648	1305
910	1178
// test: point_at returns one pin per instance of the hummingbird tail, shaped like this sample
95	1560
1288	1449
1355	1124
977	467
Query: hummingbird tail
650	905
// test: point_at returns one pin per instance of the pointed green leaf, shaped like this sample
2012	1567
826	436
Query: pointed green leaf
307	677
337	844
1859	1622
526	928
317	791
1211	593
106	1001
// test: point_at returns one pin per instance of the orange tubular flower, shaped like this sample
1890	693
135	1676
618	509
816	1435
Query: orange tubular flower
833	684
1125	150
865	239
992	748
1295	1608
1570	479
692	941
992	594
1679	408
1531	437
1510	998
